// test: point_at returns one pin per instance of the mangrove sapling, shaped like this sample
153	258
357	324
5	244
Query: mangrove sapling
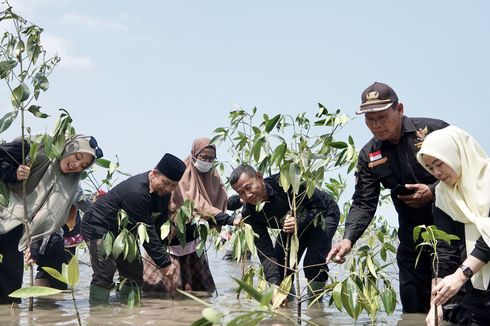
126	244
70	276
250	316
20	49
302	161
366	285
430	237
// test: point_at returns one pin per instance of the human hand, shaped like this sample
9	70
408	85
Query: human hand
339	251
99	193
289	224
28	258
170	272
448	287
238	220
422	195
430	318
23	172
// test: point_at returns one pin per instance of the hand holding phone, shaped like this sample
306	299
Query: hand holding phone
402	190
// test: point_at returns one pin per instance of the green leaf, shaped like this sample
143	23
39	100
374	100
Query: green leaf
193	297
73	272
338	144
40	81
248	319
283	291
294	178
34	109
212	315
249	289
370	265
202	322
54	273
103	163
131	298
165	229
267	297
107	241
389	300
118	245
7	120
337	296
142	233
272	123
249	237
132	247
416	232
34	291
293	251
6	67
19	95
256	148
4	194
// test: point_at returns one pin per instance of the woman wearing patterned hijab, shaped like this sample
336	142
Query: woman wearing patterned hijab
50	186
201	184
462	207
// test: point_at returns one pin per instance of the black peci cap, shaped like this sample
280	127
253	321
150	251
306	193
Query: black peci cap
171	166
377	97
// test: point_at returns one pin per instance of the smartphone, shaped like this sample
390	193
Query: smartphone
401	190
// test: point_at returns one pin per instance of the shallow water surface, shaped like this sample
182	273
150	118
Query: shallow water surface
154	310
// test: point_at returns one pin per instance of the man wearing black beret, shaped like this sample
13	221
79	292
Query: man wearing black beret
141	197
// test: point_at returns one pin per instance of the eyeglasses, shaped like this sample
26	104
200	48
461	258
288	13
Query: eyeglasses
206	158
98	151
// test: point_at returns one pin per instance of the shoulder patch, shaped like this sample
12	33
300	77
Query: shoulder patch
421	134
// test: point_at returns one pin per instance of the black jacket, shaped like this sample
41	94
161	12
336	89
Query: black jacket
272	216
388	164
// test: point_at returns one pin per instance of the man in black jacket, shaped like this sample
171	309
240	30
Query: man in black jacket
142	197
317	220
389	159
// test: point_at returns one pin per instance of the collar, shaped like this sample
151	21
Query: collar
407	125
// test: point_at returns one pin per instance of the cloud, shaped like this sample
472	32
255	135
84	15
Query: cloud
64	48
84	20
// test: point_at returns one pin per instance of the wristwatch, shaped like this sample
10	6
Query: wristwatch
466	271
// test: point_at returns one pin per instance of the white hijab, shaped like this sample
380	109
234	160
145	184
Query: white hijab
468	201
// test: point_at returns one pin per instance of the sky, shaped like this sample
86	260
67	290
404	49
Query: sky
148	77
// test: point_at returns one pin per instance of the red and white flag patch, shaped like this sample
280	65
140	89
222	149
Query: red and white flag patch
374	156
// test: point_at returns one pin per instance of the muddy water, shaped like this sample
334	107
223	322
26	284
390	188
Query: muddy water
58	310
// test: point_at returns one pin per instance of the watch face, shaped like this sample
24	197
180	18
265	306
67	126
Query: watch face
467	271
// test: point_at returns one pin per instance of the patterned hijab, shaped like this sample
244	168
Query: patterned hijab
206	190
49	194
468	201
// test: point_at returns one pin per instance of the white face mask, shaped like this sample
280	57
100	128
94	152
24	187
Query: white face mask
203	166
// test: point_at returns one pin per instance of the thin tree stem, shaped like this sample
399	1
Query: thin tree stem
75	305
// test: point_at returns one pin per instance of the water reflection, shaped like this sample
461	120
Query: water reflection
157	310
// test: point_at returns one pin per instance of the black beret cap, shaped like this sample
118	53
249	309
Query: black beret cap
171	166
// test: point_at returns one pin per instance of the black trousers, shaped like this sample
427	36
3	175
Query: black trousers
54	256
317	243
468	307
415	282
105	267
12	267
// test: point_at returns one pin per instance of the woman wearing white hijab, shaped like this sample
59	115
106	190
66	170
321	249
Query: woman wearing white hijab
50	186
458	161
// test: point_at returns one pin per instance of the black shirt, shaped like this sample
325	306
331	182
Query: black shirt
388	164
133	196
272	216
